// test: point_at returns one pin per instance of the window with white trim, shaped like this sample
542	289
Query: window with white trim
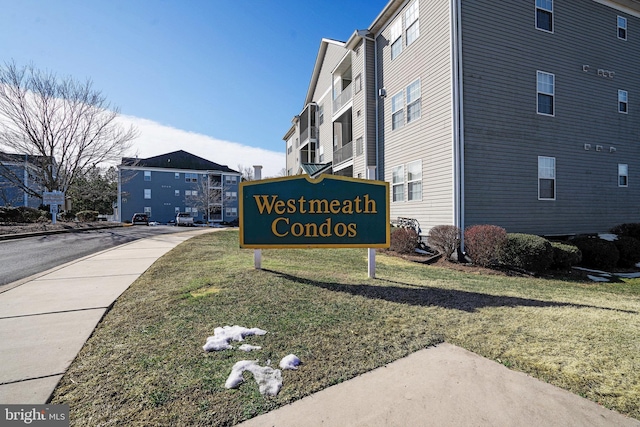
190	177
397	110
177	175
397	184
231	195
396	38
230	179
320	114
546	178
289	145
147	175
411	18
147	193
358	83
176	209
176	193
623	101
231	212
414	180
622	28
546	93
544	15
321	154
623	175
413	101
147	210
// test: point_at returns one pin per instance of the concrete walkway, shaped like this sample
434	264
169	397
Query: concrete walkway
46	319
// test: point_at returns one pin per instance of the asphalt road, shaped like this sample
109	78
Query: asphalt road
22	258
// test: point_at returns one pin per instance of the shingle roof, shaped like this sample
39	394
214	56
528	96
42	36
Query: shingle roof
176	160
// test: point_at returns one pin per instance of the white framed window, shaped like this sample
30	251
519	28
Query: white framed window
190	177
359	146
176	209
321	154
622	28
147	175
623	175
194	193
546	93
147	193
230	179
176	193
397	184
397	110
544	15
414	180
231	212
231	195
187	192
194	211
358	83
413	101
396	38
177	175
546	178
289	145
411	18
147	210
623	101
320	114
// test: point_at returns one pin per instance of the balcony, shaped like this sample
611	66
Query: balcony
343	154
342	99
309	134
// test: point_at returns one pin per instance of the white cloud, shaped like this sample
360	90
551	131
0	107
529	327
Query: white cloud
156	139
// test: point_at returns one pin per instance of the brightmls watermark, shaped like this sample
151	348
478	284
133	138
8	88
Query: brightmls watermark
34	415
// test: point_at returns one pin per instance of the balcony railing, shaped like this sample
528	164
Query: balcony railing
342	99
343	154
310	133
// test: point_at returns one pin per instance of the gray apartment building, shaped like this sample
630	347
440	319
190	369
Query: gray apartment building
19	172
172	183
523	114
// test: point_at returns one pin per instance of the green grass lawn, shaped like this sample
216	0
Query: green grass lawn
145	364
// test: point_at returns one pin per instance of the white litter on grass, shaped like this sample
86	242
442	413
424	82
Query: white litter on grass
249	347
628	275
269	380
290	361
597	278
222	336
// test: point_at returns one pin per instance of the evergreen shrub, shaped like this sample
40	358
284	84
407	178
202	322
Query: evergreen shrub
629	249
596	252
527	252
565	256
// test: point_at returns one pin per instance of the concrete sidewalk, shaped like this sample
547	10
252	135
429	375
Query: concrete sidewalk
443	386
46	319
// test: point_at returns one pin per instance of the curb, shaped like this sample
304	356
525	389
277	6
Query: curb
45	232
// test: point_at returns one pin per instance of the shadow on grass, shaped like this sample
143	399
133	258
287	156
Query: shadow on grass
407	293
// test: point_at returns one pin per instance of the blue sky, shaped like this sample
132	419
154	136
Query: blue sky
233	71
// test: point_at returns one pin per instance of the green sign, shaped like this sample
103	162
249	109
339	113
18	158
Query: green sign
328	212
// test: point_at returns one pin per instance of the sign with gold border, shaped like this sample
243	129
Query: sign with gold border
327	212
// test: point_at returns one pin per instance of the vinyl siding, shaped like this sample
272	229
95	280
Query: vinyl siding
358	109
504	135
428	138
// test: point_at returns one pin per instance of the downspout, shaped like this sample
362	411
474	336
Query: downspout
376	94
25	197
458	121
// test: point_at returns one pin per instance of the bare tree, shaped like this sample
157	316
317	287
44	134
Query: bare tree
247	172
65	125
207	195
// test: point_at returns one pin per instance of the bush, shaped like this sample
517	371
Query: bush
629	249
87	216
445	239
527	252
404	240
21	214
597	253
629	230
484	242
565	256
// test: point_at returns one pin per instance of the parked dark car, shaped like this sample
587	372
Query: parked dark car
140	219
